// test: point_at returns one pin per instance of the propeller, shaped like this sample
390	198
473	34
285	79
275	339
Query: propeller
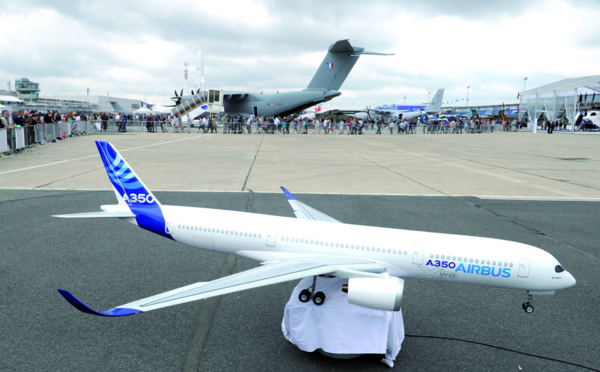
177	97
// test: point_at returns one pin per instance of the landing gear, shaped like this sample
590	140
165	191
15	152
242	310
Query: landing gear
308	293
319	298
527	306
304	295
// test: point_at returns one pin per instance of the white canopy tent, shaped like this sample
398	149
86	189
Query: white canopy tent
2	108
553	98
143	110
9	99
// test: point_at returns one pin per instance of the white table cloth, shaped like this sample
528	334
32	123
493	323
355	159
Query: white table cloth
338	327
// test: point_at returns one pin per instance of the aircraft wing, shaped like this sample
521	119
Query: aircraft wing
269	273
306	212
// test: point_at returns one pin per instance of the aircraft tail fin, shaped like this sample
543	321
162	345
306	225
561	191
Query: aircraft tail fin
339	61
131	191
436	103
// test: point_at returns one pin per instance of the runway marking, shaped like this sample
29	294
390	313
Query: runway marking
553	190
92	156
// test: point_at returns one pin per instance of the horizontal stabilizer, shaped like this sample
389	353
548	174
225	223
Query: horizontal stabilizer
116	311
377	53
102	214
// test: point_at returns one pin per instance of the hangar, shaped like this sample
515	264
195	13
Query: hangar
563	99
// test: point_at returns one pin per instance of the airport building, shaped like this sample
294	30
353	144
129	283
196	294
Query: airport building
26	90
104	103
27	97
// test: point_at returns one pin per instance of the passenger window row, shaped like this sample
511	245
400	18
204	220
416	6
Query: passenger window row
219	231
341	245
471	260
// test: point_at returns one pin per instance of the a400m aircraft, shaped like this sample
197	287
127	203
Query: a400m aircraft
325	85
375	260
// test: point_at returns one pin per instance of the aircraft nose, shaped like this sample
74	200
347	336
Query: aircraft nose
570	280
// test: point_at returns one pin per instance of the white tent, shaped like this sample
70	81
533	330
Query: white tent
7	99
560	96
2	108
143	110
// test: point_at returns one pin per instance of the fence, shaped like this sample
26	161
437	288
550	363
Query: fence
16	139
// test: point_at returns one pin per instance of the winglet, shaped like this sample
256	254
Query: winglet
288	195
84	308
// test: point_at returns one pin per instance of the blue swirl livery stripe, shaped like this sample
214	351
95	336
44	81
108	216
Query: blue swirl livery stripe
132	190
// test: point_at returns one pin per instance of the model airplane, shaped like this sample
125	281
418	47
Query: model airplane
376	260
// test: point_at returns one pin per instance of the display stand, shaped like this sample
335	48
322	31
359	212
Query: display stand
338	328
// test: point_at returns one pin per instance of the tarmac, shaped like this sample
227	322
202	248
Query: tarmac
538	189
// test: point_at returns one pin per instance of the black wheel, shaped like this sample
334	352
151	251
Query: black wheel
528	308
304	295
319	298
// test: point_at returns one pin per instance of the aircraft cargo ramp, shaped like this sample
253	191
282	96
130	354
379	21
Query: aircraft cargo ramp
210	101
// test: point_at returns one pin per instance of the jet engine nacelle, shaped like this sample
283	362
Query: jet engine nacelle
375	293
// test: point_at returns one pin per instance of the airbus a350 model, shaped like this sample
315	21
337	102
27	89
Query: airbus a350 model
375	260
324	86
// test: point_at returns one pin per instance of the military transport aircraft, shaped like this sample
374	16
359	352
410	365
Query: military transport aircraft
324	86
376	260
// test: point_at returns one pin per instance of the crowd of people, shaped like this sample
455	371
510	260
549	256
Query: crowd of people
228	124
286	125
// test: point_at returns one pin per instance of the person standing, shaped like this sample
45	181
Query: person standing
550	126
104	119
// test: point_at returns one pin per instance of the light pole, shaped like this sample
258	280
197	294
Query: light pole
404	100
524	83
468	95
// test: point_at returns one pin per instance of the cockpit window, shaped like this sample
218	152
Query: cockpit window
559	269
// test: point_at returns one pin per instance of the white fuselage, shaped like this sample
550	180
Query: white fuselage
435	256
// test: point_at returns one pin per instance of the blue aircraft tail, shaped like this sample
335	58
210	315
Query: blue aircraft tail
131	191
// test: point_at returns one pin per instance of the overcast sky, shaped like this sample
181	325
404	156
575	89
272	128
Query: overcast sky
137	49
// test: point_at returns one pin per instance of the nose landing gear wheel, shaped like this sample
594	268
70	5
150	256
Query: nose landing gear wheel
528	307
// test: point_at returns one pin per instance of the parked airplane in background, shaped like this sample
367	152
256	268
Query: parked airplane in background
591	121
375	260
397	112
324	86
412	112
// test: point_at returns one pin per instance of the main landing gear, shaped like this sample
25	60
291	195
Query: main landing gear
308	293
527	306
